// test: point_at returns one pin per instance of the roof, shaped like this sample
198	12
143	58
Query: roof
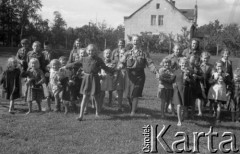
188	13
138	10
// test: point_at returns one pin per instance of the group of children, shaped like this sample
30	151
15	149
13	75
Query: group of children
183	81
196	81
83	76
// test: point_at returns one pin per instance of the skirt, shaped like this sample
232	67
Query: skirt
34	94
183	96
90	85
165	94
135	83
121	80
107	83
218	92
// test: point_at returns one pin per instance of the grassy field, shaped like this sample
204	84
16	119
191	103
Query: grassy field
112	133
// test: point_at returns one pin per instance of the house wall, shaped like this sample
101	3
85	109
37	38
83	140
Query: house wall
173	20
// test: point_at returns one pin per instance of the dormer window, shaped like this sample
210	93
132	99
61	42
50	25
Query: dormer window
157	6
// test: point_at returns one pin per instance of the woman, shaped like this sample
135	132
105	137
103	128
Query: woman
74	54
135	61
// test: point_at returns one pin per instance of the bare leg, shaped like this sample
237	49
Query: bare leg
134	105
102	96
163	107
49	104
120	99
66	107
29	107
98	105
39	106
11	106
110	98
130	102
84	100
218	113
179	115
199	104
57	102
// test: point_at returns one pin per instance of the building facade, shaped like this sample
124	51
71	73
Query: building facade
157	16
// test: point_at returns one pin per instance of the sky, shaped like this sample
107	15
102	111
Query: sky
77	13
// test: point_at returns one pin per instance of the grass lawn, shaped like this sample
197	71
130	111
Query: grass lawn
112	133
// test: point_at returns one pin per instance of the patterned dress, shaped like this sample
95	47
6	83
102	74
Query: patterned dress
34	87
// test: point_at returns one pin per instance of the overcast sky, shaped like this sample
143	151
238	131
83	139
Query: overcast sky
79	12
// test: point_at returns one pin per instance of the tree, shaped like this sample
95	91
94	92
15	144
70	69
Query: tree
58	29
26	11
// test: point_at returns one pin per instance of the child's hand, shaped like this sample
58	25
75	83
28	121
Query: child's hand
157	75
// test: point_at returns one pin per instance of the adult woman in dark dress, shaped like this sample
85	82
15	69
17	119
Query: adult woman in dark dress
135	61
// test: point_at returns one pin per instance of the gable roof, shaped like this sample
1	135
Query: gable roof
188	13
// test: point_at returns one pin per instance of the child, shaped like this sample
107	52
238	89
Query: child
54	83
36	53
11	82
226	63
219	90
197	76
35	79
206	68
22	54
107	79
235	104
182	89
91	65
174	57
165	88
67	84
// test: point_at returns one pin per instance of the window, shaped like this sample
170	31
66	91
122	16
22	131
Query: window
153	20
157	6
160	20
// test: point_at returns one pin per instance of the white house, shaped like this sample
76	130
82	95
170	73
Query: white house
157	16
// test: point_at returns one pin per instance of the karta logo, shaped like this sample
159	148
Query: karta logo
152	138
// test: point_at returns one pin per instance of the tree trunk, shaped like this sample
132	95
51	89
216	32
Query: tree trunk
217	48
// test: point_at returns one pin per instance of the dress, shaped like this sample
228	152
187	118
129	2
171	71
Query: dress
183	89
34	87
135	62
165	87
91	66
73	56
107	78
121	79
218	90
207	73
11	83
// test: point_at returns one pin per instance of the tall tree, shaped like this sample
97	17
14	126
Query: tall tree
58	29
26	10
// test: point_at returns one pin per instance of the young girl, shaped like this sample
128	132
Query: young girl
182	89
206	68
197	76
235	101
35	79
218	92
226	63
107	79
11	82
22	54
91	65
54	83
165	88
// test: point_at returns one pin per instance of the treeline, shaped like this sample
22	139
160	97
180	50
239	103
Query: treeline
20	19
